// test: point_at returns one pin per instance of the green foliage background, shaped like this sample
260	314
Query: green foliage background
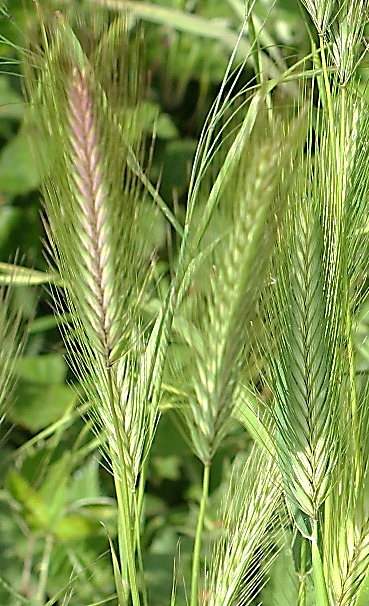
56	495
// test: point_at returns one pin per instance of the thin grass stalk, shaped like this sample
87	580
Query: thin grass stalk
341	195
124	504
342	189
258	63
44	570
196	554
232	159
138	547
205	143
327	90
301	594
321	593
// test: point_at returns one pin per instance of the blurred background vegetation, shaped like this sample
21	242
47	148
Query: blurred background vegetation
54	489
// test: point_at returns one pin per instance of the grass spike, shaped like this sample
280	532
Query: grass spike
233	577
322	12
305	410
96	208
218	344
88	175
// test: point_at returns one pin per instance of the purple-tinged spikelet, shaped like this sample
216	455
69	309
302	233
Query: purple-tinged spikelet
91	198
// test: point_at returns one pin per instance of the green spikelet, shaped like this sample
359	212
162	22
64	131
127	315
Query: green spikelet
249	526
302	369
85	107
94	202
216	330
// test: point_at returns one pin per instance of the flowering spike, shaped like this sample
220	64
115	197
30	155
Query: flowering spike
91	197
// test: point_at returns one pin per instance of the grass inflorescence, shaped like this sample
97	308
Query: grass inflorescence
251	313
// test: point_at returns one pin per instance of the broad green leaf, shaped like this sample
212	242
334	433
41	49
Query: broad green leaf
39	404
20	231
281	587
11	103
50	369
41	395
85	483
35	509
74	527
54	488
182	21
152	118
168	467
18	174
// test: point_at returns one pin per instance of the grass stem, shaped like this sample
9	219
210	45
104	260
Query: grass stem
301	596
327	89
123	500
353	397
138	549
350	344
198	537
44	570
321	594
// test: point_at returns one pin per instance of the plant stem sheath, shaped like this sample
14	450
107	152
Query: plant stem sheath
321	593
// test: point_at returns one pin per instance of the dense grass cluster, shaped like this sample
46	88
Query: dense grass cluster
252	315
